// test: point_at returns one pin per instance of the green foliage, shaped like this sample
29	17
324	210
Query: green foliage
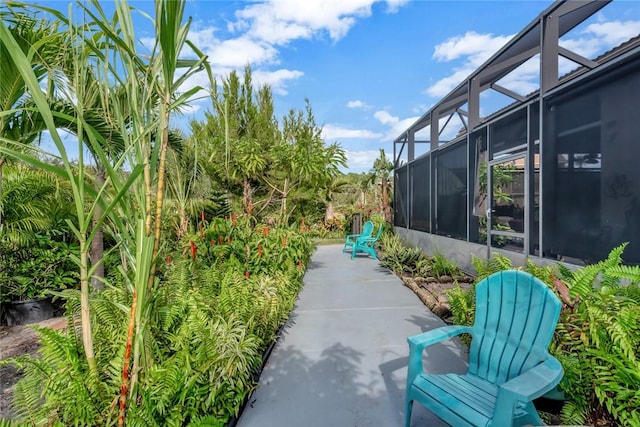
399	258
28	272
463	308
32	202
260	162
57	385
597	342
462	305
208	324
486	268
441	265
187	341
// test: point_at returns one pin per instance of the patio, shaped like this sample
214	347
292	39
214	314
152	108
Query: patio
342	357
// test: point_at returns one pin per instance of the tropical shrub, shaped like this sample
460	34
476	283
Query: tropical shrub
399	258
213	314
153	348
597	342
28	272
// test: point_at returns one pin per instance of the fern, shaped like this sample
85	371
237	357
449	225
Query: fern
544	273
597	343
631	273
485	269
443	266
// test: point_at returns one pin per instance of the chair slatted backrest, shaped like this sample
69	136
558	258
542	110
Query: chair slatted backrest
380	229
367	229
515	319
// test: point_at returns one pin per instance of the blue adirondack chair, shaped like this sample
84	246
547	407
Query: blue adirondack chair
350	241
366	244
509	361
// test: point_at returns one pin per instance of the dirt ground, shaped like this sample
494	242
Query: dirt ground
16	341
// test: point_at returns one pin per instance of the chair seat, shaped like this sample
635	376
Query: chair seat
461	400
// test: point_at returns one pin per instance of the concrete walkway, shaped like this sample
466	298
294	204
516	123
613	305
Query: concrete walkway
342	358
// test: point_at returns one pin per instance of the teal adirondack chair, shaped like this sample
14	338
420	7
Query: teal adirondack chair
350	241
367	244
509	361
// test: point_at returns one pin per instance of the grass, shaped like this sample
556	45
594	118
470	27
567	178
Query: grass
328	241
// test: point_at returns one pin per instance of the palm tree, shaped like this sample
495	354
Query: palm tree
381	176
336	185
40	41
33	201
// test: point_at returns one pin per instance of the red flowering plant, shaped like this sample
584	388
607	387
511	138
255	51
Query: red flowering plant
259	249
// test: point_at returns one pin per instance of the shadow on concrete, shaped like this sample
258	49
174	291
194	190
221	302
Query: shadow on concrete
331	382
424	323
385	271
314	265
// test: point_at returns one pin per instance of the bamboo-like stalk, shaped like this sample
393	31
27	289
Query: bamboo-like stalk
147	87
85	315
160	193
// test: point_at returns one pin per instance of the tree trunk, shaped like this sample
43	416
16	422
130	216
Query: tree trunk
2	160
246	194
183	222
85	310
329	213
97	244
386	210
285	191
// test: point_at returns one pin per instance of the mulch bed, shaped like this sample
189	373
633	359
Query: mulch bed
432	291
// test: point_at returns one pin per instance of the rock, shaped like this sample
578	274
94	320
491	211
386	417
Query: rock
441	310
463	279
445	279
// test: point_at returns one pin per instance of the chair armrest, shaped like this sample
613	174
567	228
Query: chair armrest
535	382
367	240
421	341
418	343
352	236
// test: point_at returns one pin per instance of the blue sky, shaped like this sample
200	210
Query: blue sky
371	67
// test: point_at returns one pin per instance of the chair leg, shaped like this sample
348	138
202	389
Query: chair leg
531	417
407	413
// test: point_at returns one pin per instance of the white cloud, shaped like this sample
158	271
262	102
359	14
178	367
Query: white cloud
395	124
333	132
524	79
190	108
357	104
361	160
596	39
394	5
237	53
613	33
281	21
447	84
260	29
277	79
471	50
475	48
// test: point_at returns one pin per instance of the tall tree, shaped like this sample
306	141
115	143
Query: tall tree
381	176
132	201
301	158
237	134
39	41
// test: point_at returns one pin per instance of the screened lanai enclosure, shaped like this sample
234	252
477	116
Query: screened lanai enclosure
552	174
